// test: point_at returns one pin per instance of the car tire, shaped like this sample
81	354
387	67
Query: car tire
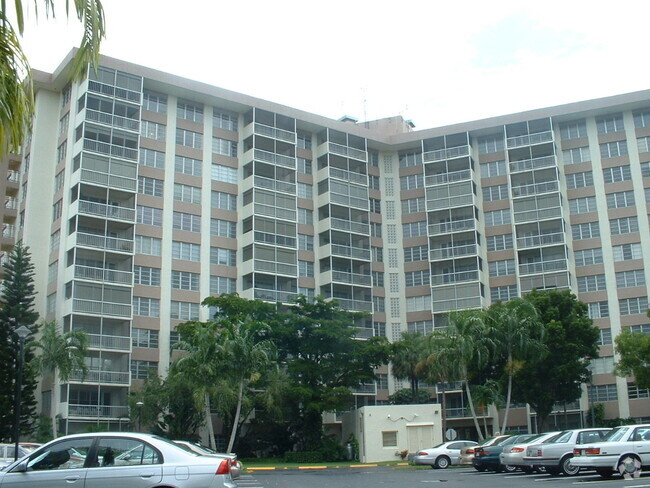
481	469
441	462
506	468
553	471
567	468
629	467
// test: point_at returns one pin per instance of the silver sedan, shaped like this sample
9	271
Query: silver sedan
443	455
116	460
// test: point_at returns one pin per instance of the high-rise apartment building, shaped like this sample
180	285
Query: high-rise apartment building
143	192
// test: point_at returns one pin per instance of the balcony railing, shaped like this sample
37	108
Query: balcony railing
349	201
351	252
543	266
111	149
104	242
350	176
113	120
276	268
351	278
458	277
529	139
531	164
108	377
456	304
347	225
540	214
281	159
349	152
365	389
276	185
274	295
276	212
111	181
540	240
8	231
443	178
11	203
267	130
96	307
113	91
103	274
97	411
102	341
108	211
452	252
535	188
13	176
442	154
354	305
451	202
452	226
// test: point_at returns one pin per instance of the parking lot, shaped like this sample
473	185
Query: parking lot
407	477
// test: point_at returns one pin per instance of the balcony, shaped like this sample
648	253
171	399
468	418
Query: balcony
545	281
275	185
275	212
540	240
274	295
452	252
98	307
353	305
270	157
108	180
349	226
275	268
539	214
364	333
111	149
104	242
458	277
349	176
348	252
347	200
13	176
104	377
103	275
535	188
114	91
102	341
113	120
543	266
11	203
98	411
274	132
452	226
365	389
442	154
334	276
529	139
348	152
106	211
532	164
464	303
443	178
9	231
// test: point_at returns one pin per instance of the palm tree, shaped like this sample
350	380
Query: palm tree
406	354
16	90
485	395
516	328
60	354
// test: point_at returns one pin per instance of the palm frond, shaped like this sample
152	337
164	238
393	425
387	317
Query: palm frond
91	14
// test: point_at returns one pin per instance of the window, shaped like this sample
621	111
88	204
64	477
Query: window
305	242
189	111
582	205
305	190
498	192
417	253
189	138
58	181
154	102
305	216
52	271
224	174
61	151
308	292
374	158
605	337
306	268
613	149
587	230
603	365
144	338
223	228
490	144
610	123
183	280
643	329
626	252
499	242
223	257
627	279
186	251
184	310
503	293
221	284
502	268
412	182
409	158
579	180
152	130
56	457
303	141
187	193
224	201
150	186
140	370
602	393
188	166
643	144
379	304
377	278
304	166
573	130
629	306
645	170
146	307
373	182
148	215
185	221
375	205
389	438
494	168
224	147
624	225
497	217
591	283
620	199
144	275
414	229
588	257
413	205
616	174
598	310
642	118
423	327
224	120
151	158
577	155
418	278
148	245
377	254
417	304
634	392
57	210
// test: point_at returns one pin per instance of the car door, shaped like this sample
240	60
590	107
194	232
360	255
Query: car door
453	451
58	465
125	461
641	439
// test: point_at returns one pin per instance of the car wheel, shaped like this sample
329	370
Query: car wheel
507	468
539	469
605	472
442	462
553	471
630	467
567	468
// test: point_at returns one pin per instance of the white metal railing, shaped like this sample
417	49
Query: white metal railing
104	210
269	238
267	130
540	240
453	226
274	295
97	376
365	388
276	185
350	251
529	139
104	341
349	201
452	252
111	149
544	281
13	175
11	203
104	242
275	268
281	159
98	307
347	151
353	305
451	202
535	188
351	278
458	277
113	120
442	154
103	274
356	227
540	214
8	230
97	411
531	164
111	90
456	304
452	177
106	179
543	266
277	212
350	176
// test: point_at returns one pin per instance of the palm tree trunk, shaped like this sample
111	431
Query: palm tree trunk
208	418
53	425
443	417
235	422
505	416
473	410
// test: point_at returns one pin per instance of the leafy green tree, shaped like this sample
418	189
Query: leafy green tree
405	397
16	90
405	355
17	309
633	349
324	362
570	342
60	353
486	394
515	328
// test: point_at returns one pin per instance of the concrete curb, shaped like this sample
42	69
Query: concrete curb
316	467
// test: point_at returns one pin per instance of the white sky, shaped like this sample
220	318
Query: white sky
435	62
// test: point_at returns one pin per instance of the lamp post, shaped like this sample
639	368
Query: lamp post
139	405
22	332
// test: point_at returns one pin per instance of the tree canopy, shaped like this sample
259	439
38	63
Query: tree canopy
633	349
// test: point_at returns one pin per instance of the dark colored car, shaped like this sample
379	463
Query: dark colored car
487	458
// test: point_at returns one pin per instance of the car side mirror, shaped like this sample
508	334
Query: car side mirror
20	468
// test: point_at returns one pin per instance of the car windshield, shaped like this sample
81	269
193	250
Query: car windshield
514	439
533	438
562	437
616	435
185	449
499	442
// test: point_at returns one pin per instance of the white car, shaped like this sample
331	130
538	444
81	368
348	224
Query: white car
513	455
236	466
624	450
443	455
7	453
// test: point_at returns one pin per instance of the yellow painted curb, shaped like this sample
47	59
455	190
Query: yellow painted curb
364	465
312	467
261	469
